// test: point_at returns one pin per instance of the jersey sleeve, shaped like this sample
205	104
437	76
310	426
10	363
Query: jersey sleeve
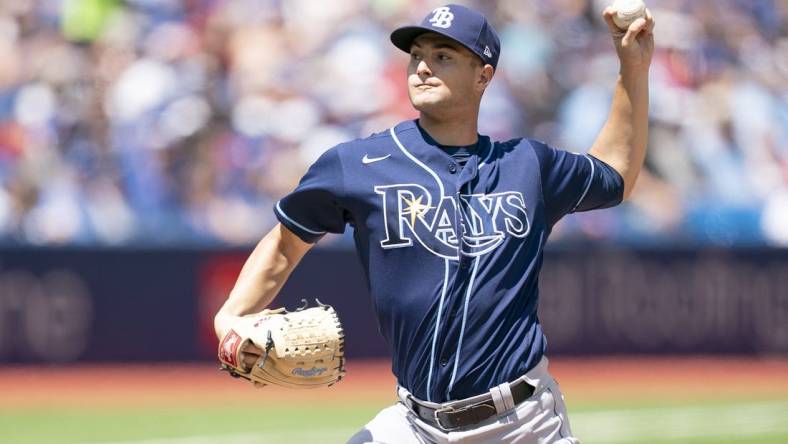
576	182
315	208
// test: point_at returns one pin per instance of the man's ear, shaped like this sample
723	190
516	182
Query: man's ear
485	77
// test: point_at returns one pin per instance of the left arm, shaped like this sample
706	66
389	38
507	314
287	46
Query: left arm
622	141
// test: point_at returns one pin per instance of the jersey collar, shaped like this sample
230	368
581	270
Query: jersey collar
437	160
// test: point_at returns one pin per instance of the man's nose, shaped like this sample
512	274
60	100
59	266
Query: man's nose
422	69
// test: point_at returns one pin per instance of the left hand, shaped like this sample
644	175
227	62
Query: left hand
294	349
634	46
250	353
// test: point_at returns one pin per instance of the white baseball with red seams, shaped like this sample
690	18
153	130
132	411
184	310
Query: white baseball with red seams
627	11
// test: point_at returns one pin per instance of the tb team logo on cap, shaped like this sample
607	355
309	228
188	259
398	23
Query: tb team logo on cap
459	23
442	17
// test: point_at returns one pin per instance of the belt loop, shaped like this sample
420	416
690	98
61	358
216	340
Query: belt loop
506	392
403	395
497	397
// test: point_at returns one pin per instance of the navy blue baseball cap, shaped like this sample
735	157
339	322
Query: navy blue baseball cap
459	23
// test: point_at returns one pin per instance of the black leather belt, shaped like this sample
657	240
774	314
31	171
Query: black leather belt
451	418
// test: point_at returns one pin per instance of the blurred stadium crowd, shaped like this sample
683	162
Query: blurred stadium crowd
180	122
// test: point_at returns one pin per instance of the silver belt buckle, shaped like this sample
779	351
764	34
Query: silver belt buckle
438	420
448	410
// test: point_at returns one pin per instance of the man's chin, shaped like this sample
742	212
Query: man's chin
428	104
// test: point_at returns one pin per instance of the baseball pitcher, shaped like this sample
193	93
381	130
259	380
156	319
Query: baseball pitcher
450	228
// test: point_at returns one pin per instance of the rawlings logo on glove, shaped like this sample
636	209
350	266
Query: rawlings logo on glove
302	349
314	371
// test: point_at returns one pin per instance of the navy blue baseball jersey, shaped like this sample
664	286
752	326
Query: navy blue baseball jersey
451	254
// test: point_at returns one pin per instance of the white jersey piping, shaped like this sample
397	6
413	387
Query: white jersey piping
588	185
289	219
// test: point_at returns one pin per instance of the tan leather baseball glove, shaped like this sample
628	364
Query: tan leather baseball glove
301	349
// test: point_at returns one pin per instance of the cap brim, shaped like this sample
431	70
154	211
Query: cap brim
403	37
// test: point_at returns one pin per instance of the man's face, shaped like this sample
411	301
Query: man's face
442	74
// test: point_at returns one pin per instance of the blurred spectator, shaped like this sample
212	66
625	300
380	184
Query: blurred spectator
180	122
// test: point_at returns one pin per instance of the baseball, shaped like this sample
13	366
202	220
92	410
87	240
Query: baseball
627	11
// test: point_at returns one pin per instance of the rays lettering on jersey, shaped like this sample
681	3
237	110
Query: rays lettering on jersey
409	213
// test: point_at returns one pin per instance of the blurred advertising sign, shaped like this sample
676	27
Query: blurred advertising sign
45	317
667	301
63	305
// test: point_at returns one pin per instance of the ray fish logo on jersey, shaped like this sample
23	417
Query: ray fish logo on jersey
410	213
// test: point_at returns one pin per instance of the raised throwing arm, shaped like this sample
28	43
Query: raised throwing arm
622	141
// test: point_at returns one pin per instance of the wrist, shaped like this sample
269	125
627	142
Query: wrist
222	323
634	81
633	73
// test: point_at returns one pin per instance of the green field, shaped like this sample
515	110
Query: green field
611	401
763	422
